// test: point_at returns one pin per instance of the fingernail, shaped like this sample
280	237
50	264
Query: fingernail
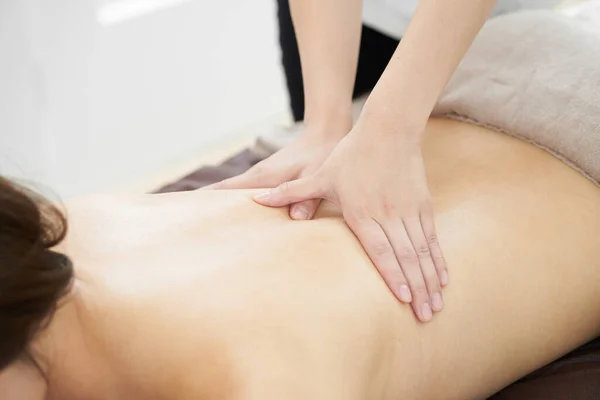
262	196
426	313
444	277
405	295
300	213
436	302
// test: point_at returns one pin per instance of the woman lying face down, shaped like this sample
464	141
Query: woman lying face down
206	294
33	279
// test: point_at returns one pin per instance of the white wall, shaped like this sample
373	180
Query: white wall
88	104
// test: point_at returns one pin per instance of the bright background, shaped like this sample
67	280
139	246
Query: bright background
113	95
97	95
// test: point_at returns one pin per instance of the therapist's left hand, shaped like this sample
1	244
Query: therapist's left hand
379	182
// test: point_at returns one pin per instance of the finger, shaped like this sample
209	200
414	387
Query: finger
247	180
237	182
304	210
428	224
291	192
427	268
409	262
381	253
255	177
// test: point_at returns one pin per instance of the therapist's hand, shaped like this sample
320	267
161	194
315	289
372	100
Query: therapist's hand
379	182
299	159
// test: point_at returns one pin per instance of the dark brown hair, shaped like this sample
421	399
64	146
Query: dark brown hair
32	277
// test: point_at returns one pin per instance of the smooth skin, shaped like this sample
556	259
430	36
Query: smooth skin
207	295
375	174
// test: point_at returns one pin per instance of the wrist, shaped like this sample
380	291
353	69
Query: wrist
390	121
329	123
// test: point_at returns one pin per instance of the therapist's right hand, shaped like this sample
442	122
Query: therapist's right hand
299	159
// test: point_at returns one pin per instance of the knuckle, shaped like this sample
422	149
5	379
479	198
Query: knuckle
358	216
407	256
284	187
432	238
422	251
439	259
318	175
382	249
389	209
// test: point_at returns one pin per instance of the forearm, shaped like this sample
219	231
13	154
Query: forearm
436	40
328	33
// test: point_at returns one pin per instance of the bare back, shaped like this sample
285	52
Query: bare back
208	295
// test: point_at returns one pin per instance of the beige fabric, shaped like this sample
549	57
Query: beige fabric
534	75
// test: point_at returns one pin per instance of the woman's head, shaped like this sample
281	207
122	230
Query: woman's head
32	277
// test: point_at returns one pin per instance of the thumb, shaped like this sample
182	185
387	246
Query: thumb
292	192
304	210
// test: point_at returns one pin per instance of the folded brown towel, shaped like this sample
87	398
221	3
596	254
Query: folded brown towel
233	166
575	376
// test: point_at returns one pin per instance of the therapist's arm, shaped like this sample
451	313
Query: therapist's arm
376	174
437	38
328	34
